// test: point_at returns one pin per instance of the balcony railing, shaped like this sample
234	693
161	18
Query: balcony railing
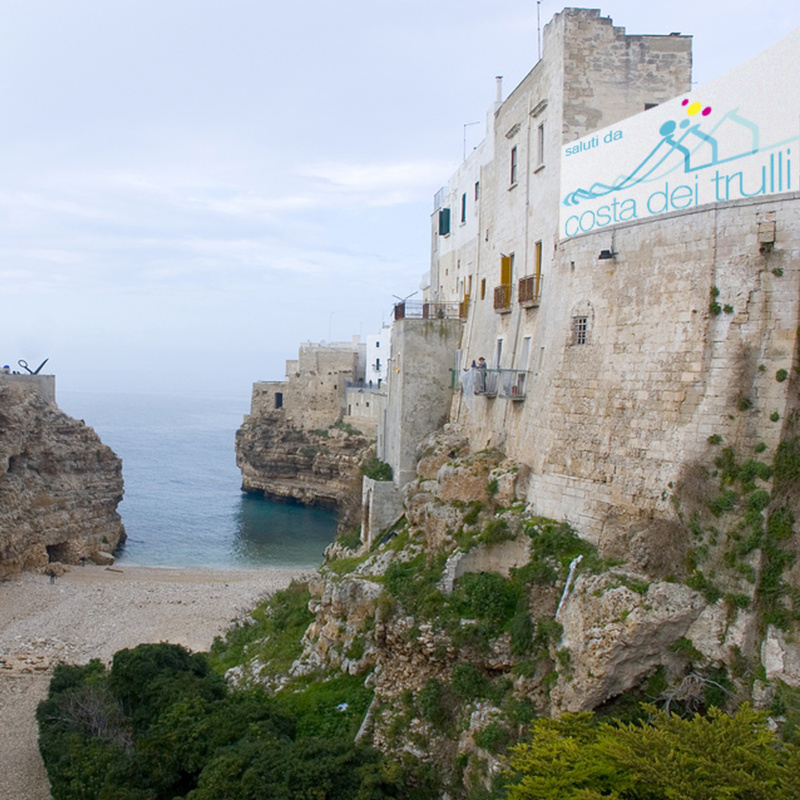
427	311
508	383
529	293
502	298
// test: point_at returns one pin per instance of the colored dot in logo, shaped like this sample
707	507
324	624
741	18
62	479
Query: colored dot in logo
695	108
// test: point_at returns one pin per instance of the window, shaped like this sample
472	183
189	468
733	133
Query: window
579	328
648	106
278	399
483	288
477	189
464	207
377	365
537	259
513	165
540	144
498	354
525	357
444	221
377	344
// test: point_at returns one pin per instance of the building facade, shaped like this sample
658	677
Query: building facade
622	250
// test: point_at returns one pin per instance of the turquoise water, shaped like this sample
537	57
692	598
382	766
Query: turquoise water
183	505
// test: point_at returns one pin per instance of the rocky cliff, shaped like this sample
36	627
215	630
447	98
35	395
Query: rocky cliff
59	486
314	467
473	616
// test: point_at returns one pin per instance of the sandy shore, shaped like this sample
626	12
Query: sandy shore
91	612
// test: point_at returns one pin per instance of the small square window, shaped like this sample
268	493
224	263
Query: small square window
579	329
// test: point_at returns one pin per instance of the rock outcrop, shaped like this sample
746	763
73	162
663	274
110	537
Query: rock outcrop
473	614
59	486
314	467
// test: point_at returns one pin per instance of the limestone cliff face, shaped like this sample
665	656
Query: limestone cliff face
314	467
474	615
59	486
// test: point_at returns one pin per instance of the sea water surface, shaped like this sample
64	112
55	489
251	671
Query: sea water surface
183	506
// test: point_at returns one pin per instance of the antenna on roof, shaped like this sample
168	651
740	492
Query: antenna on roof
539	28
466	125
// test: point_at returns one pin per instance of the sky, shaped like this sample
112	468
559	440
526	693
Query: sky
191	188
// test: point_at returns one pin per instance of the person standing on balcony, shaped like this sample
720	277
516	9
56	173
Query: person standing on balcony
480	383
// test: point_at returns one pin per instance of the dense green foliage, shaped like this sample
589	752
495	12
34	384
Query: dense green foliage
718	757
377	470
161	724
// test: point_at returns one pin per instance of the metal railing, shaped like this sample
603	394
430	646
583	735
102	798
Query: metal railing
426	311
502	297
508	383
529	293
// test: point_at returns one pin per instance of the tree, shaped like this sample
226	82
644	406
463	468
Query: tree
717	757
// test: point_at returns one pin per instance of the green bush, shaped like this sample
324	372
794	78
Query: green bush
160	726
489	597
470	684
665	756
376	469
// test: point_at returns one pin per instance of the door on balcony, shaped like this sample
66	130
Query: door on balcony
506	269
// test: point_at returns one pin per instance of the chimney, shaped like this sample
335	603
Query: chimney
499	80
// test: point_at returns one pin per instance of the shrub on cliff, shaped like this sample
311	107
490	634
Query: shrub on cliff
703	758
376	469
161	725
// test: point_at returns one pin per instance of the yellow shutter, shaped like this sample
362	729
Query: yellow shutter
505	270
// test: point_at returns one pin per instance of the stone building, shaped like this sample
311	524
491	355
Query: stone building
622	249
313	396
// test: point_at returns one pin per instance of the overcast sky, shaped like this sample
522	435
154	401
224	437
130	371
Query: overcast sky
190	188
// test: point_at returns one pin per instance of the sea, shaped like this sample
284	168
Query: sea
183	505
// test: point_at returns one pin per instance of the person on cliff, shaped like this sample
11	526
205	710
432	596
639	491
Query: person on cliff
52	576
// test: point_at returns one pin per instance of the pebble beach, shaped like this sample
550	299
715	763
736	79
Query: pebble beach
91	612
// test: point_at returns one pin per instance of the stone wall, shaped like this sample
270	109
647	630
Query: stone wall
45	385
608	425
423	357
364	408
313	395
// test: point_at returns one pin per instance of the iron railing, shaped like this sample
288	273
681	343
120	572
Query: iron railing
502	297
529	292
426	310
508	383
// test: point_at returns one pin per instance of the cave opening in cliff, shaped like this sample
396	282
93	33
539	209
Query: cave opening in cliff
58	552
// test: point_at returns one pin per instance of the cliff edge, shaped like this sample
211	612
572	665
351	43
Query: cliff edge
59	486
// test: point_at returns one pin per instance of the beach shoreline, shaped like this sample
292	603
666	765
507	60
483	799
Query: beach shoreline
92	612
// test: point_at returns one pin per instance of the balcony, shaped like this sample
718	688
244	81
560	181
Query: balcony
508	383
427	311
529	292
502	298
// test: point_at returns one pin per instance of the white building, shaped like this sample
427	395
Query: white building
580	250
